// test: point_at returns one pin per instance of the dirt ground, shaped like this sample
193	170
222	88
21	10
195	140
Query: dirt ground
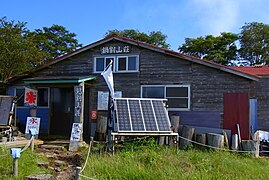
61	162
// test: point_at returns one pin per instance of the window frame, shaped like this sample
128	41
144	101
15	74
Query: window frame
23	88
15	94
165	95
105	58
48	97
116	63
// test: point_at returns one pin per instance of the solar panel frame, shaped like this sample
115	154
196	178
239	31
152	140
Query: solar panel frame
142	126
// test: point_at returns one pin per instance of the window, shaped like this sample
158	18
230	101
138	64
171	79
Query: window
127	63
20	96
122	63
178	96
102	62
42	97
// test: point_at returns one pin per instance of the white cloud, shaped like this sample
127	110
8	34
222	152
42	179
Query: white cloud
214	16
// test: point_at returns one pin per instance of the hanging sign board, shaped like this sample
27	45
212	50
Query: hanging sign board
32	123
102	103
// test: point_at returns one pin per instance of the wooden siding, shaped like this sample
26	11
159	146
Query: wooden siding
207	84
261	91
210	119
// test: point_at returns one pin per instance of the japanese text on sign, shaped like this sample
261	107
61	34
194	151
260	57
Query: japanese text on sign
32	123
115	49
78	100
76	132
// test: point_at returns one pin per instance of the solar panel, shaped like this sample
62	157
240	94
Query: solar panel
141	115
5	107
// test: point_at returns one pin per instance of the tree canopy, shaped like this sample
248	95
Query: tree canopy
55	41
220	49
254	42
156	38
17	49
21	49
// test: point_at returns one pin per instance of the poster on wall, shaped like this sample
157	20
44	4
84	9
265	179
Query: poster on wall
76	132
102	103
32	123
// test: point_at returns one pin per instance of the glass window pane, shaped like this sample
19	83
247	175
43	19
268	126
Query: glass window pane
108	60
177	102
153	92
132	63
20	97
177	92
42	97
122	63
99	64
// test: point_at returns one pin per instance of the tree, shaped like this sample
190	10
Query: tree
17	49
55	41
156	38
220	49
254	41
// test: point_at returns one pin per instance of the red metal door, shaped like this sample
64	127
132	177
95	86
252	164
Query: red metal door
236	111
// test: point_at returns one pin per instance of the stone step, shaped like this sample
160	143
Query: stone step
52	147
39	177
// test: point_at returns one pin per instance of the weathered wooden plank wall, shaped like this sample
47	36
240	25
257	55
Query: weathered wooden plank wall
207	84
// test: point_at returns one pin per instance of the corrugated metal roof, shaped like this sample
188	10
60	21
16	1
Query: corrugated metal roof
254	70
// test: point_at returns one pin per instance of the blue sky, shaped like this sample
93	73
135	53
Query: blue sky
178	19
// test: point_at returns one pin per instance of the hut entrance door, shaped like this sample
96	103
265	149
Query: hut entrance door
62	111
236	111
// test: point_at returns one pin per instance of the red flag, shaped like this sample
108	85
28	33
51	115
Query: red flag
30	97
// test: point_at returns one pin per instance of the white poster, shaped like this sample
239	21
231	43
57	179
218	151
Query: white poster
76	132
32	123
102	103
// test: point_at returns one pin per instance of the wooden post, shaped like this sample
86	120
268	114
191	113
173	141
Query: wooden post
239	136
175	120
15	167
101	128
175	123
215	140
187	133
226	139
78	114
33	143
78	169
161	140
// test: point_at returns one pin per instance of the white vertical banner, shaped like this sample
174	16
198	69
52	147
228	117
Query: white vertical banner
108	76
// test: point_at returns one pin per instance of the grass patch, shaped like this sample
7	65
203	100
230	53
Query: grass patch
155	162
27	164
